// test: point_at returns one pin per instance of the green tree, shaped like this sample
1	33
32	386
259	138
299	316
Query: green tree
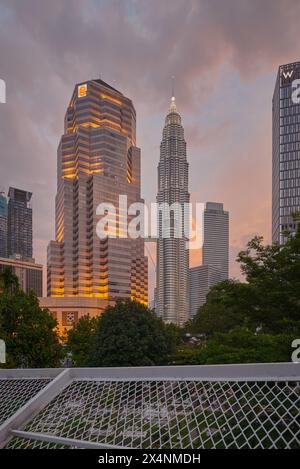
80	340
270	298
28	330
129	334
243	346
8	281
273	276
228	305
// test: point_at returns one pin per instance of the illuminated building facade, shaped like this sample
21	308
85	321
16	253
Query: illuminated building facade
68	310
97	161
286	152
172	298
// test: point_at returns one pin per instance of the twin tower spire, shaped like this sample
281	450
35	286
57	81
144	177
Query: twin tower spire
172	266
173	107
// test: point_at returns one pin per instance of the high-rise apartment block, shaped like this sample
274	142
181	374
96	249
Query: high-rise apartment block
172	268
216	238
3	226
19	223
97	161
286	152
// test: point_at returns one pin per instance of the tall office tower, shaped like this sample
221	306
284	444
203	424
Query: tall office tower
172	254
97	161
3	226
216	238
19	223
201	279
286	152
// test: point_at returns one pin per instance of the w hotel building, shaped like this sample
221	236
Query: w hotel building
97	161
286	151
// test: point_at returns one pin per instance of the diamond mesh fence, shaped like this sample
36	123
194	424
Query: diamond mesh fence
14	393
24	443
172	414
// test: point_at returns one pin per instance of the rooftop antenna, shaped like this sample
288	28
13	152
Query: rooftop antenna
173	86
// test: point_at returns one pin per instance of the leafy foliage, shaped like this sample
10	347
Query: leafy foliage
254	321
243	346
270	300
28	331
127	334
80	340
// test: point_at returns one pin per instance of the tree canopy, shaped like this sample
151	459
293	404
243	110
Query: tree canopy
268	301
257	320
126	334
28	330
81	339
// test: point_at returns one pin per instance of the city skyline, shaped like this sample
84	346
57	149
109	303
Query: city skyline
149	227
224	93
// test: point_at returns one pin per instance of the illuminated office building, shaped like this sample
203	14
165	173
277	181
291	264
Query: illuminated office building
97	161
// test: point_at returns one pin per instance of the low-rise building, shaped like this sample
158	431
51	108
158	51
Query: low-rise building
30	274
68	310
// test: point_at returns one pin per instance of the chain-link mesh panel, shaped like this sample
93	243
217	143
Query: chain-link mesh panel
176	414
14	393
24	443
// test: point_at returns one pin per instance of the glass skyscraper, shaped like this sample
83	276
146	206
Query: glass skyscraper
19	223
215	255
286	152
201	279
3	226
172	268
216	238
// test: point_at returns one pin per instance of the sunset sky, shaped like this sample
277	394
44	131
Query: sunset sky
224	55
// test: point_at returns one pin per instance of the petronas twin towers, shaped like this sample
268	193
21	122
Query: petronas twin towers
172	300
